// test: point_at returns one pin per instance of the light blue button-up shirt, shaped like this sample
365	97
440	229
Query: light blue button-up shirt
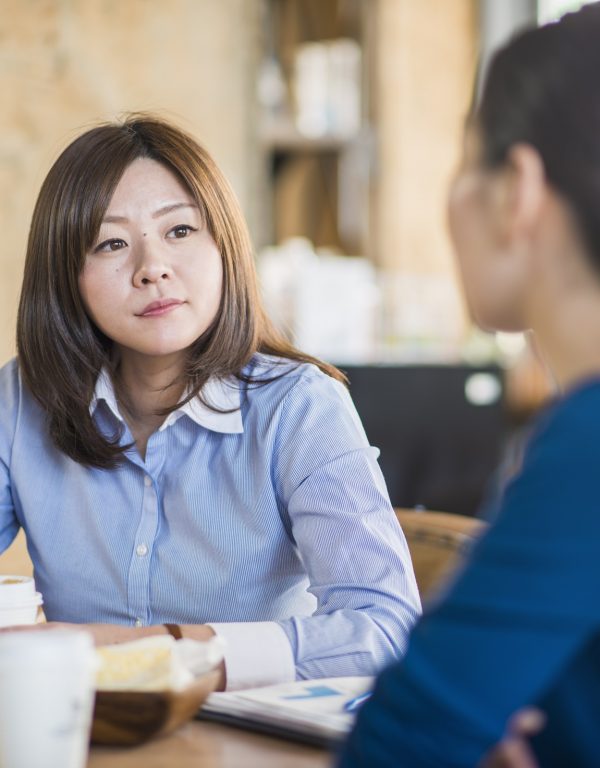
271	522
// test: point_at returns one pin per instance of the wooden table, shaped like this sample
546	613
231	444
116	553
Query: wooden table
209	745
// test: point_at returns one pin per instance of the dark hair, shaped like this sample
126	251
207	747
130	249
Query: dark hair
60	350
542	89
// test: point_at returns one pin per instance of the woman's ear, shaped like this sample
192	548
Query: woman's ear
524	191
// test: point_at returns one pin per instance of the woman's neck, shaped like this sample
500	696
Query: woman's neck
567	329
144	389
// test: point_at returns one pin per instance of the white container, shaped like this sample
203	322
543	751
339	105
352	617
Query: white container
47	684
25	612
19	602
15	589
327	88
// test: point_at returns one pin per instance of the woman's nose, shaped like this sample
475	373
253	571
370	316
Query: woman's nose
152	265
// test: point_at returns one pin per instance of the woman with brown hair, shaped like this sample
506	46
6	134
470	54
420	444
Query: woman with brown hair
173	460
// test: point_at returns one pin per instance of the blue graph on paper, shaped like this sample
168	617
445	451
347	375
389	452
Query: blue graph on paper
315	692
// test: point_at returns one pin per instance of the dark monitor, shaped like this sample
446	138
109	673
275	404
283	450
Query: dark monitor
440	429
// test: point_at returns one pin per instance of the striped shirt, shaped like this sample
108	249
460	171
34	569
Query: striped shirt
270	522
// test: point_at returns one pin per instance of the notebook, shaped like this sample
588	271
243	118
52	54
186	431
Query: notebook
310	711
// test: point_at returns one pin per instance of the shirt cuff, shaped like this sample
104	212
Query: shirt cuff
256	653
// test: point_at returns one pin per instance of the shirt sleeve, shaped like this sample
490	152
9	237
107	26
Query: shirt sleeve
522	610
334	501
256	653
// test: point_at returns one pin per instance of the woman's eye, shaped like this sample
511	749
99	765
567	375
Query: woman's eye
180	231
114	244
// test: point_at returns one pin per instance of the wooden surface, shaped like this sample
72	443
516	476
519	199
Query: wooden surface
208	745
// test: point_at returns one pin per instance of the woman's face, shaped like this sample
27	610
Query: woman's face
488	258
152	280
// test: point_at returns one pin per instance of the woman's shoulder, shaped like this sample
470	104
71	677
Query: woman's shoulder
567	431
16	401
10	383
578	410
270	378
10	398
271	369
299	397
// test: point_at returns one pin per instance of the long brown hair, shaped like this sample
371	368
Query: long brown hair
60	350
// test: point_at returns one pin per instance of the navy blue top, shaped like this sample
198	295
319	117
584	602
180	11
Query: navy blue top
520	626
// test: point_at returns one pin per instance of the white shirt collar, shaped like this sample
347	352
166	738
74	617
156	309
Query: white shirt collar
223	394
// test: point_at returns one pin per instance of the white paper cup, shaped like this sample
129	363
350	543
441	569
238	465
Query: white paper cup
15	589
19	602
47	684
23	613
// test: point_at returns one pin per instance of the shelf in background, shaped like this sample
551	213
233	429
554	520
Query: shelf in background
284	136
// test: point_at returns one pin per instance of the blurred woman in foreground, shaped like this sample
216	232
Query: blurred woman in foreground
521	626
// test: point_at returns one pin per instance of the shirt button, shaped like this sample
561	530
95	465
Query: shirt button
147	481
141	550
139	623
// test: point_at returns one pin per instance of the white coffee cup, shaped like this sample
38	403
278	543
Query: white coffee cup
47	685
19	602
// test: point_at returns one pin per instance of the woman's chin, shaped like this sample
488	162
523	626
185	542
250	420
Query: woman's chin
493	323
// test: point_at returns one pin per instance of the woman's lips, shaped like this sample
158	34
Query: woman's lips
161	307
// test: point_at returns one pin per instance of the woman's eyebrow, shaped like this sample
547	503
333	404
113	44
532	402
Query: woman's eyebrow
162	211
172	207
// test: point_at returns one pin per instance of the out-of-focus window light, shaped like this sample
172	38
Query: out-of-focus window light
511	345
551	10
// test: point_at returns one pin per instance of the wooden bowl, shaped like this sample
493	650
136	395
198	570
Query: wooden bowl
126	718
